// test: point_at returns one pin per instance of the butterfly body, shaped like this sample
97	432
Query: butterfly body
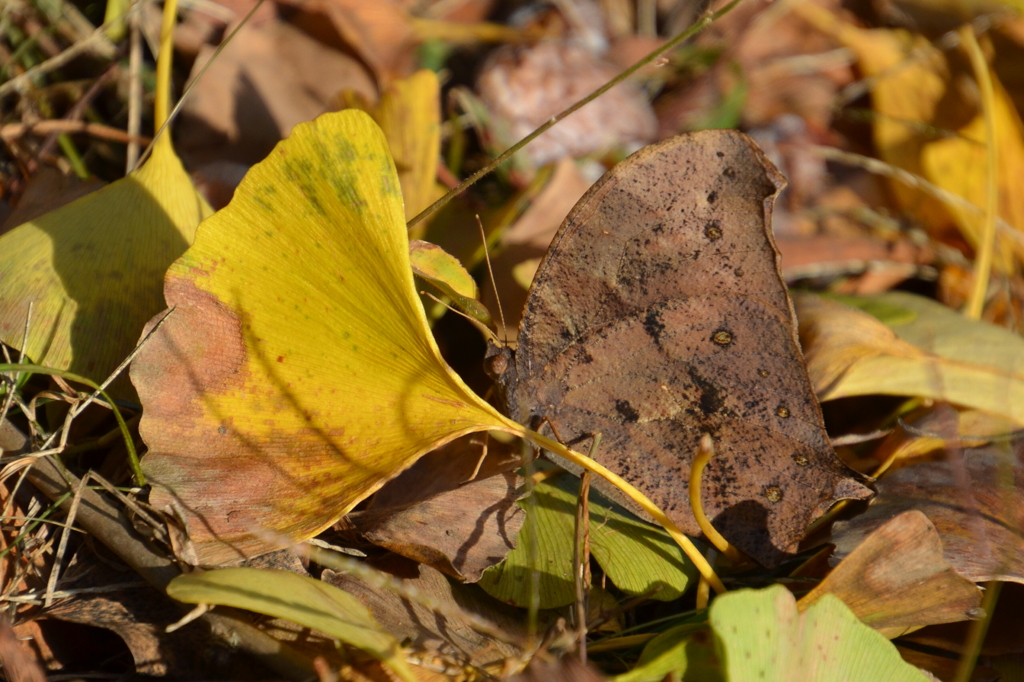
659	314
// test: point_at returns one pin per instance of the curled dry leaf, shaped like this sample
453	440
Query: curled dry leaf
1004	636
381	33
297	373
897	578
829	255
925	350
446	514
973	499
425	630
93	269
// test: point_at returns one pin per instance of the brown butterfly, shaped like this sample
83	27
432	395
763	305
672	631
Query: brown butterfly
659	314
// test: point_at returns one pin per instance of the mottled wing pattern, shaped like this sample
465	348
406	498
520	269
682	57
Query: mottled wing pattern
659	314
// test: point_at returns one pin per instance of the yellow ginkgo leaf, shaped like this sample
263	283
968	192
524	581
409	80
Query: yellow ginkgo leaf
409	113
297	373
958	164
908	77
93	269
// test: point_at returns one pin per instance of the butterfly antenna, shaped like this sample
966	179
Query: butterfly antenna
494	284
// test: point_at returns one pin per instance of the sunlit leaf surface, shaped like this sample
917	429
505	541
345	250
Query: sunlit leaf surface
930	351
764	637
296	374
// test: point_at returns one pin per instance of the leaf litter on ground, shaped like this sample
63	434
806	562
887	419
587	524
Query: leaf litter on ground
923	342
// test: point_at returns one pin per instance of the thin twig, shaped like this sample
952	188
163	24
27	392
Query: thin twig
36	596
13	131
58	558
915	181
697	27
581	560
134	91
976	632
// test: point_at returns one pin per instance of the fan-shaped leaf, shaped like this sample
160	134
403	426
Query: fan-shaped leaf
636	556
930	351
762	636
297	373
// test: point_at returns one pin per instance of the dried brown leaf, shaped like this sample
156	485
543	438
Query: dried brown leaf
973	499
897	578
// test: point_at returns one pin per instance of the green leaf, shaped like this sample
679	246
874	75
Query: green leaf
685	651
636	556
309	602
763	637
445	272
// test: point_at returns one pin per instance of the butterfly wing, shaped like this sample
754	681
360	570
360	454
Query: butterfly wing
660	314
